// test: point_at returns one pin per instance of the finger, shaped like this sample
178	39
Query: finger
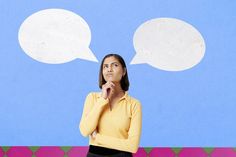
112	84
105	86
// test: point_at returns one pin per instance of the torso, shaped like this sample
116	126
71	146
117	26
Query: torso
115	100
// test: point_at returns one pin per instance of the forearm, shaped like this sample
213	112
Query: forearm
89	123
90	120
130	145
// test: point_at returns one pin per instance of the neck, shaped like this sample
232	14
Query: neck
118	91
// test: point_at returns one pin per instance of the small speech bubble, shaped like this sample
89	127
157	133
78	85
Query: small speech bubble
168	44
56	36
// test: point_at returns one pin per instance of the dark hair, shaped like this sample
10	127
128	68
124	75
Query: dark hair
124	82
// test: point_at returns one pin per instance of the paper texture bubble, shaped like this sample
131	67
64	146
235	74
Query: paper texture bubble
56	36
168	44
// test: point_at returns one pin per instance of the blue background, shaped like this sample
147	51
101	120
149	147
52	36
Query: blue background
41	104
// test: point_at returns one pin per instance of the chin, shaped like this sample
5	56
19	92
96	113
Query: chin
112	80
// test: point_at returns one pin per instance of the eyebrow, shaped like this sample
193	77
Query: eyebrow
111	63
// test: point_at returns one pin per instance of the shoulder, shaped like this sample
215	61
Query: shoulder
134	101
94	95
135	106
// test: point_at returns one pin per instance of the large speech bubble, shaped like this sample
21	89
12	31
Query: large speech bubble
56	36
168	44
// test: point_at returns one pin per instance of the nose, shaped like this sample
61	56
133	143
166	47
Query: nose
109	68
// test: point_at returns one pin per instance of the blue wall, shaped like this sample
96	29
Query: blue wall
41	104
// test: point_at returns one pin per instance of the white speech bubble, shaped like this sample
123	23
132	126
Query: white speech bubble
56	36
168	44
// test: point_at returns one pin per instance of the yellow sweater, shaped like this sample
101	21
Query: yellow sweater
119	128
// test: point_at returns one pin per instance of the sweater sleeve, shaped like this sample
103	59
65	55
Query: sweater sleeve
130	144
91	113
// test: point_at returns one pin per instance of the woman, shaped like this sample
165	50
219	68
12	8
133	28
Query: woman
111	118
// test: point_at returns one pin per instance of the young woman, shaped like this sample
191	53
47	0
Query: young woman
111	118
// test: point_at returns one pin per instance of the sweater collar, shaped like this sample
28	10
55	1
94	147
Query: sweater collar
125	96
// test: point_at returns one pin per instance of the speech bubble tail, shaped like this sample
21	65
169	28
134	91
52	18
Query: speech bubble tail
88	55
138	59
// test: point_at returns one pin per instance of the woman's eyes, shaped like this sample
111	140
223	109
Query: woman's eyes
113	65
105	66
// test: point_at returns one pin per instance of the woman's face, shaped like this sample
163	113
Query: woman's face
112	70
